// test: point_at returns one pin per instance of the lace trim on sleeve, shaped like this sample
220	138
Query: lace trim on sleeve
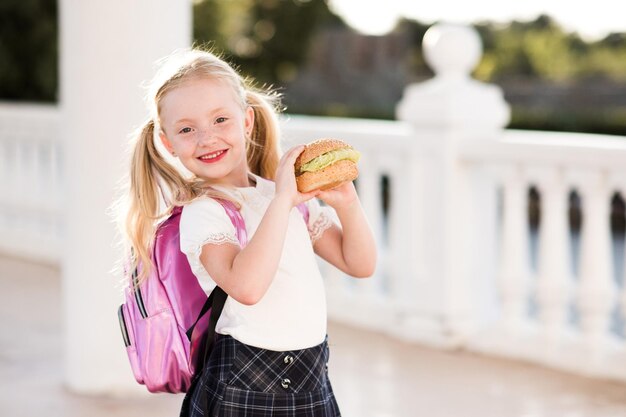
320	225
215	238
218	239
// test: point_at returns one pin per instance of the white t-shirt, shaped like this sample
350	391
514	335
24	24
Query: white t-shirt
292	313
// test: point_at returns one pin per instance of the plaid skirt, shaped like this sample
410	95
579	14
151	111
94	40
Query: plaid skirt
242	380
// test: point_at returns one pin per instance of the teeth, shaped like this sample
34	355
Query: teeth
212	155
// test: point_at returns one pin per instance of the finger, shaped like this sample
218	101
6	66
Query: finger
294	152
307	196
290	155
322	195
311	194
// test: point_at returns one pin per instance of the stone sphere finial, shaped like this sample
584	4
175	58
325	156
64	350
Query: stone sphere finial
451	49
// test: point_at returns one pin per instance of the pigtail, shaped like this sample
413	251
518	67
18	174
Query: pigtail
143	199
264	145
153	180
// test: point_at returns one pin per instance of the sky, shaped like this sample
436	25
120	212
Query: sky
591	19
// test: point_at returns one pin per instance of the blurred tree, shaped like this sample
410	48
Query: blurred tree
414	31
28	50
504	54
208	18
267	39
541	49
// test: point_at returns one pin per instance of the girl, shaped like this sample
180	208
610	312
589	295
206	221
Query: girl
270	352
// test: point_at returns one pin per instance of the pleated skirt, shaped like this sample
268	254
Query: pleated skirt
241	380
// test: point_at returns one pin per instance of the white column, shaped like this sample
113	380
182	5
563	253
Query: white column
107	48
447	113
513	266
596	290
554	278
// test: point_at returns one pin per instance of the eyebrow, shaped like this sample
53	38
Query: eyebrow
187	120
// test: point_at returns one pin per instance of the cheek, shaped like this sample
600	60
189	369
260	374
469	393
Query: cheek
237	135
183	148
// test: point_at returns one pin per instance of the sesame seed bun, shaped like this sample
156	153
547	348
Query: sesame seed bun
318	147
328	177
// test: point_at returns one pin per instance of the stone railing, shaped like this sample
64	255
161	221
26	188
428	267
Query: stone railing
31	194
559	291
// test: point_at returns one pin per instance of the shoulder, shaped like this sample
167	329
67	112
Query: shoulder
202	219
200	205
202	210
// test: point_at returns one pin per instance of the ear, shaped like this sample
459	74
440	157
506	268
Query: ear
166	143
249	120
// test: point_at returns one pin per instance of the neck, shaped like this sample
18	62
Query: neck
244	180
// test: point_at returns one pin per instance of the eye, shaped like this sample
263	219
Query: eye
185	130
220	120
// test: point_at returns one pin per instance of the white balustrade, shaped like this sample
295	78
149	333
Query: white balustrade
30	188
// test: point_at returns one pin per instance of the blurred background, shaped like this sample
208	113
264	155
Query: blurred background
493	172
555	77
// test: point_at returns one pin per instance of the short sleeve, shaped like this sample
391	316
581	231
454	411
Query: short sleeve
204	221
320	219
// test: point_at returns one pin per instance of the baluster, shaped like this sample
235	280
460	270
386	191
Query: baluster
56	186
4	186
596	291
404	265
513	269
16	174
44	177
4	169
617	181
399	262
34	172
554	278
370	194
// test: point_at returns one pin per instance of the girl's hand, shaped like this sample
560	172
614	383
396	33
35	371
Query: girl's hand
340	197
286	178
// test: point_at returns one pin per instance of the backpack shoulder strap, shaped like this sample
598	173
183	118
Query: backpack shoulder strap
218	296
217	299
304	210
237	219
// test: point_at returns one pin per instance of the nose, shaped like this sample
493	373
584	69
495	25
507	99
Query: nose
205	137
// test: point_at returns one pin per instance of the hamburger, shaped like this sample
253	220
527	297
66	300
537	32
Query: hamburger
325	164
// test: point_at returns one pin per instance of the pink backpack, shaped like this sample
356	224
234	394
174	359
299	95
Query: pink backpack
168	322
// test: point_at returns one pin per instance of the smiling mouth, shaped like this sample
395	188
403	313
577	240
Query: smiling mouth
213	156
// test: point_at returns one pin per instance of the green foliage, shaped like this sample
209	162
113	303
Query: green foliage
414	32
542	49
28	50
267	39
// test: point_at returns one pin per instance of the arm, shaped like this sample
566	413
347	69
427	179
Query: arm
350	248
246	274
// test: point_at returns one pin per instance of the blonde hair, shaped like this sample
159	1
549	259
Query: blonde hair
153	181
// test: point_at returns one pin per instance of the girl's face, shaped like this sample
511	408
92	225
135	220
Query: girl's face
203	124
